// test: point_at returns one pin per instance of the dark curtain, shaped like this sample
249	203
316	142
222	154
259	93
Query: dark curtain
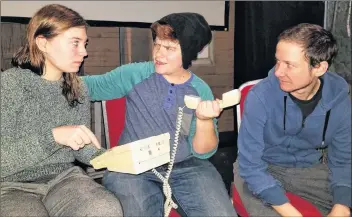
257	25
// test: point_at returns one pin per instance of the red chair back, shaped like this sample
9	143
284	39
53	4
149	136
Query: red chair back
114	120
244	89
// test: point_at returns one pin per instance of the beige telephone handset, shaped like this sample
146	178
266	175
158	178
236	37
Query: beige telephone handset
230	98
146	154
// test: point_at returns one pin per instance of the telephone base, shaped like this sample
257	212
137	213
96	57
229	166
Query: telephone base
144	166
136	157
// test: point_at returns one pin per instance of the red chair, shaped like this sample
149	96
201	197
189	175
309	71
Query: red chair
244	89
303	206
114	121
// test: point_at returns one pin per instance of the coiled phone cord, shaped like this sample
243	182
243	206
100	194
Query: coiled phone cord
169	203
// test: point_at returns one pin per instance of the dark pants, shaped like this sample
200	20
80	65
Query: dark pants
72	193
309	183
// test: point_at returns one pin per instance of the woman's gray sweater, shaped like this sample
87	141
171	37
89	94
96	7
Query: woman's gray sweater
30	108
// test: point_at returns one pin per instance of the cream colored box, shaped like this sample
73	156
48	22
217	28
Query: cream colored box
136	157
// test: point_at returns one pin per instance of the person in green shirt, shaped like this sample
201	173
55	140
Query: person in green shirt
154	94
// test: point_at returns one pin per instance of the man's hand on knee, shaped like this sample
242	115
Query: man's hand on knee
287	209
339	210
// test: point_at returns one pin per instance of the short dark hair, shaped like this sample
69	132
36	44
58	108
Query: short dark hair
163	31
319	44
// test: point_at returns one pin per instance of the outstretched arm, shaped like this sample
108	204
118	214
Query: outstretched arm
118	82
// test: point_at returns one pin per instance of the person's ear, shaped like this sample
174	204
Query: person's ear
321	68
41	42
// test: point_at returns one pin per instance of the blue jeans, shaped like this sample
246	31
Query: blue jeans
196	185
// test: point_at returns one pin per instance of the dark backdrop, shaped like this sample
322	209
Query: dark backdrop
257	25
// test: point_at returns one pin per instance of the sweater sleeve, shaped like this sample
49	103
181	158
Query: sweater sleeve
88	152
19	149
339	156
252	168
118	82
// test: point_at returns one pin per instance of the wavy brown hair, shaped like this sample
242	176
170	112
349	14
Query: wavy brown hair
50	21
163	31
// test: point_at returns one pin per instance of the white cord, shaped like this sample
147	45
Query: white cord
348	20
169	203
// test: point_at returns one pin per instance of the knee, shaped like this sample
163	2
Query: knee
211	205
218	203
106	204
108	209
209	211
18	203
219	209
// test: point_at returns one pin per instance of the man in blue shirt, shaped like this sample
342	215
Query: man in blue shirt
294	121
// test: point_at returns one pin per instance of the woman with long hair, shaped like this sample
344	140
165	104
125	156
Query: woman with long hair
45	114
